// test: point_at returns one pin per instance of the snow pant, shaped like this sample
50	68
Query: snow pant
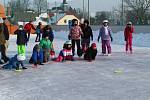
77	42
21	49
46	54
28	37
3	53
85	43
129	44
38	37
106	45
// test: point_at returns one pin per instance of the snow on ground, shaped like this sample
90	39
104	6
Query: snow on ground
117	77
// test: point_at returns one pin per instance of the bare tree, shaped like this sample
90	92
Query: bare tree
40	5
139	8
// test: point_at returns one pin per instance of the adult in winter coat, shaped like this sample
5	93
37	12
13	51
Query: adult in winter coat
47	31
65	53
37	56
91	52
38	32
21	40
87	35
3	40
46	45
106	37
75	36
129	29
28	27
6	33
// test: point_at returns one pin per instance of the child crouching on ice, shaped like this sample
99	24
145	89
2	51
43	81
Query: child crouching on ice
65	53
15	62
37	56
91	52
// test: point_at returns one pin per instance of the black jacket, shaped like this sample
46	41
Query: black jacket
87	33
21	37
90	54
6	32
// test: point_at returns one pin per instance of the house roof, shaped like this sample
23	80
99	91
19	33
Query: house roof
2	11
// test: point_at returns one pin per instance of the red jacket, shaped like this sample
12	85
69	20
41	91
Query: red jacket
28	27
128	32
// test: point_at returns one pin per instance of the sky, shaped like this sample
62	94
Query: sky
95	5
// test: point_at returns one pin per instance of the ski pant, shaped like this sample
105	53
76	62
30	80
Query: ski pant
129	44
3	53
46	54
77	42
21	49
28	37
106	45
85	44
38	37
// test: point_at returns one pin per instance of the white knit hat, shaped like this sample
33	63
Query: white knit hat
21	57
68	42
105	21
1	20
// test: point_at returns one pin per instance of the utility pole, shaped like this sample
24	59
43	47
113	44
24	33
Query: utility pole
122	13
56	10
89	10
83	9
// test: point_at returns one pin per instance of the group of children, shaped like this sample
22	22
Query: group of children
78	33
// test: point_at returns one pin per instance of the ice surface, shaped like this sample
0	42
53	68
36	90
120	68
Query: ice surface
80	80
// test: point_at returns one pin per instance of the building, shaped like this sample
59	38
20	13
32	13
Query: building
62	18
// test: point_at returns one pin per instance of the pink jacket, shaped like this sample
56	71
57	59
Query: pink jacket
75	33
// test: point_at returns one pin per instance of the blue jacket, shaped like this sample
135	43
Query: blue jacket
13	63
37	56
103	35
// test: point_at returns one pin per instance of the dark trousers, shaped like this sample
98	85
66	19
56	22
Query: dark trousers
28	36
38	37
3	53
77	42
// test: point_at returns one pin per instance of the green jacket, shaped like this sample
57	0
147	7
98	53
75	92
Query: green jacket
45	44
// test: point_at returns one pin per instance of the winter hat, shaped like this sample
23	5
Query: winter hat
1	20
86	21
129	23
68	42
21	57
20	27
93	45
105	21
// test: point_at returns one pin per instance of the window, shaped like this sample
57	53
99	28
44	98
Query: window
65	21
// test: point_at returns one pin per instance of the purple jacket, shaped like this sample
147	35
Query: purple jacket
103	35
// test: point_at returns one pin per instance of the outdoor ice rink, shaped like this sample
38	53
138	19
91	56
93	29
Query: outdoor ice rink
118	77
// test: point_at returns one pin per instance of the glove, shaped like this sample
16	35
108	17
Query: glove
111	39
69	37
98	39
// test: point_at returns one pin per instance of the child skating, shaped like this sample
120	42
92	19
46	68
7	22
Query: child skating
65	53
106	38
129	29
